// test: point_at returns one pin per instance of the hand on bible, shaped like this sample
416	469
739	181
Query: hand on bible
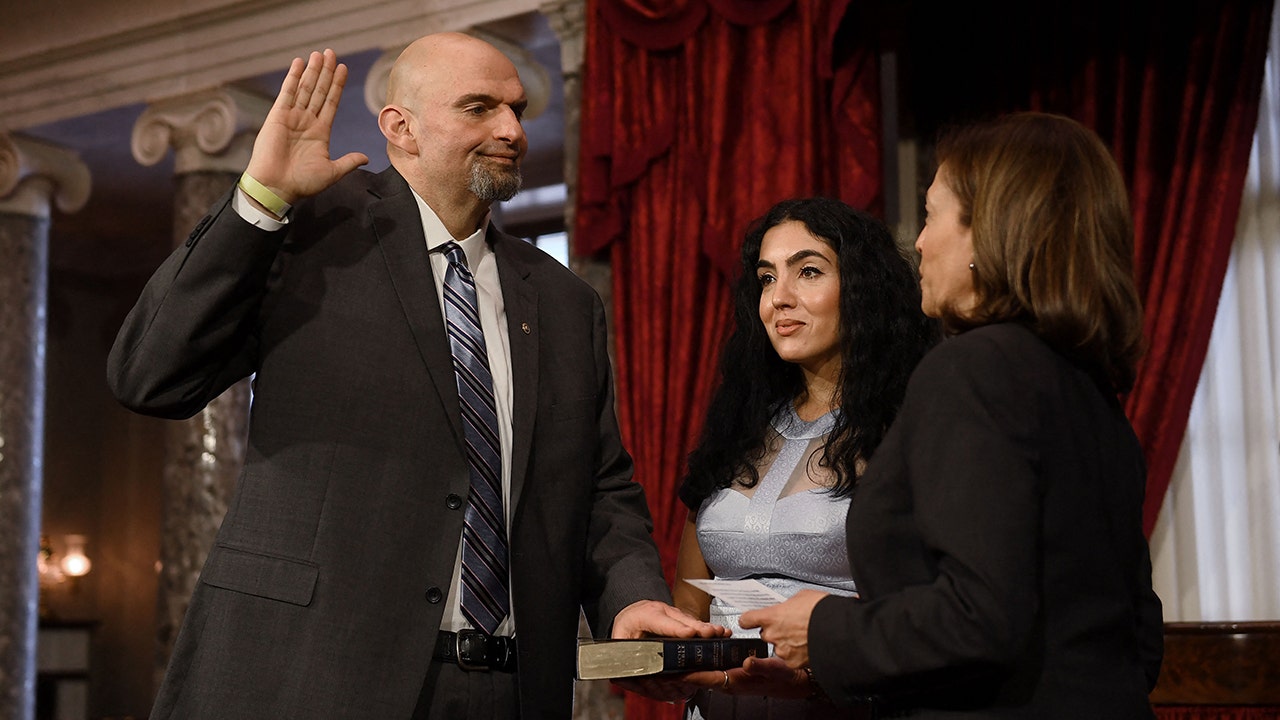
653	618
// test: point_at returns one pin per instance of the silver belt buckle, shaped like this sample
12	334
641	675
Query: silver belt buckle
469	639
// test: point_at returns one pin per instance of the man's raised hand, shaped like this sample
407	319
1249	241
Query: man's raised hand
291	152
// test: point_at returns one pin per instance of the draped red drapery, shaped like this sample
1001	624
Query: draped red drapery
1186	201
1173	90
1175	94
697	116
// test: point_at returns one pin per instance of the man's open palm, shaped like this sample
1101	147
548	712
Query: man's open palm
291	152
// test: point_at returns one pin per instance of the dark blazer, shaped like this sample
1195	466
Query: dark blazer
324	591
996	541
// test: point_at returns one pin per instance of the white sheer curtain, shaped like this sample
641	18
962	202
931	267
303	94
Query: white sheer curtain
1216	545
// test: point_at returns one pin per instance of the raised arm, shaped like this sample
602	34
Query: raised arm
291	153
191	333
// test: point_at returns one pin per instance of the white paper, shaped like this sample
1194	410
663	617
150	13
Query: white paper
742	594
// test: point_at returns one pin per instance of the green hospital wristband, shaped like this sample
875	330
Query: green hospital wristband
263	195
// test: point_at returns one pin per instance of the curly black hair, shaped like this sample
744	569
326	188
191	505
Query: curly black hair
883	335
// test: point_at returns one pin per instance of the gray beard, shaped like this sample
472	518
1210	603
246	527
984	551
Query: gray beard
491	184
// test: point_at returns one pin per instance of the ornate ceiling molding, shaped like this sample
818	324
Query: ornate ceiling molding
58	79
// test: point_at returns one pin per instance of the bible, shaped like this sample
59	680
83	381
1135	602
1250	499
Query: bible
602	659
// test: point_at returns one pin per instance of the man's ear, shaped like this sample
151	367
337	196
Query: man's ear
396	127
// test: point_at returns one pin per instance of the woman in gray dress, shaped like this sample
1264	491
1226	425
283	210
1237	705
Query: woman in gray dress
828	329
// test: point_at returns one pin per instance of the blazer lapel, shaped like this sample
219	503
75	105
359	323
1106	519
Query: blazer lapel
394	217
521	301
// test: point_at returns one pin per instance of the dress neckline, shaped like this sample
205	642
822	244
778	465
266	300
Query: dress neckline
789	425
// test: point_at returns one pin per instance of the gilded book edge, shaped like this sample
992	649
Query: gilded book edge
608	659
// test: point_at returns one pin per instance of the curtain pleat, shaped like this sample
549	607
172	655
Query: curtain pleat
1216	546
1186	197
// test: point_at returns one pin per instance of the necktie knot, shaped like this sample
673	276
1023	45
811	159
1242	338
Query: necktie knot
456	258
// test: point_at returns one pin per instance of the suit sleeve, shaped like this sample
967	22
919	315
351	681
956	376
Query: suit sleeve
1150	614
622	564
974	503
191	334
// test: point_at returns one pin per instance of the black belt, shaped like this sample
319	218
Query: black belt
475	650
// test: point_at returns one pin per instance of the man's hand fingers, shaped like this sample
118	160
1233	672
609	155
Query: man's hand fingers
324	83
306	85
329	109
650	617
289	88
673	622
349	162
695	626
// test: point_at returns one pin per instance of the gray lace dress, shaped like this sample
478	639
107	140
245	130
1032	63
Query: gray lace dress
786	532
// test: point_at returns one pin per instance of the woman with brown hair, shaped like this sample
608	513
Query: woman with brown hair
996	536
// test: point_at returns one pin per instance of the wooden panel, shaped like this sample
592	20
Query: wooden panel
62	669
1220	664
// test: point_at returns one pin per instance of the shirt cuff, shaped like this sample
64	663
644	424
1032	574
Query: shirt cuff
246	209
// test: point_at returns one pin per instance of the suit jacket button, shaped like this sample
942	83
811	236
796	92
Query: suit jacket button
434	595
453	501
191	239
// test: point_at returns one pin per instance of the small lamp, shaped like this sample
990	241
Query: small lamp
74	562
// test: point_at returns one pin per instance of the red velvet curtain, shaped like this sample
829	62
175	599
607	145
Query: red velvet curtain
1177	99
697	116
1186	200
1173	88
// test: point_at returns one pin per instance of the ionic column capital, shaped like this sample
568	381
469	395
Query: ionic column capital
568	18
208	130
35	174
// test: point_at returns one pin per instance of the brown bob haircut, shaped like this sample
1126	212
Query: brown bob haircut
1052	238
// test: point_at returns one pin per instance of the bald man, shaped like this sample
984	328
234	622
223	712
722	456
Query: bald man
335	586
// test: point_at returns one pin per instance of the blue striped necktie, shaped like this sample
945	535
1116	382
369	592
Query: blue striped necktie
484	598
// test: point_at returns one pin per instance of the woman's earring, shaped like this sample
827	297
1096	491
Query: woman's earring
971	267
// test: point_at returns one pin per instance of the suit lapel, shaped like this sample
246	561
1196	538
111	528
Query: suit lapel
394	217
521	301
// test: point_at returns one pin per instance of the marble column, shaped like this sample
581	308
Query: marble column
33	175
569	21
593	699
211	134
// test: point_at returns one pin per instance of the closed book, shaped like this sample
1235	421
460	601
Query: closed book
600	659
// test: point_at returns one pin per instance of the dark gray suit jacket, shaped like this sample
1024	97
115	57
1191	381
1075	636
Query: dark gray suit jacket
324	591
996	541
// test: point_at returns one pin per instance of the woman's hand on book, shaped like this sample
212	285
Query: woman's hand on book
758	676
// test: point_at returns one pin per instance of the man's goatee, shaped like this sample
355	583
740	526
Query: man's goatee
490	184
